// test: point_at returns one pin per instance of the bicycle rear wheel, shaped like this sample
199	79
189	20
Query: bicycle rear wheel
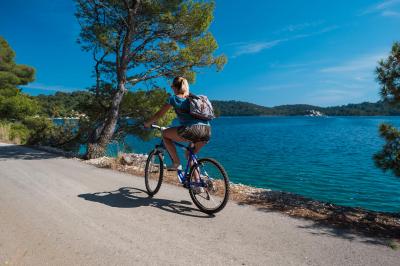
214	184
153	172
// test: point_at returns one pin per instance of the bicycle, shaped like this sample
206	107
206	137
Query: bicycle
205	178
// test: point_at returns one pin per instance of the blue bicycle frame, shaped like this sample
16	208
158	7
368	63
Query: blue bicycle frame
201	186
183	176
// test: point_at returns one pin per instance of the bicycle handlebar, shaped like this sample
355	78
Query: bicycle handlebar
158	127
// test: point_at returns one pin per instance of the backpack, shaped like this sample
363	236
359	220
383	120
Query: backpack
200	107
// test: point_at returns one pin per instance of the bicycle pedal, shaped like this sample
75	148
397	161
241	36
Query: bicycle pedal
198	190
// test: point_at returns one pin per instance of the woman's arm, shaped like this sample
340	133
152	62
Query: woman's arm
157	115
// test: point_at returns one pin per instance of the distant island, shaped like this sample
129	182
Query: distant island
238	108
63	104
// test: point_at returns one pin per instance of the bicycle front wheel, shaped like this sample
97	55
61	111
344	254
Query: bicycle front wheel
153	172
209	187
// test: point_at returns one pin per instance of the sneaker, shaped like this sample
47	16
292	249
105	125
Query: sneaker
202	180
198	190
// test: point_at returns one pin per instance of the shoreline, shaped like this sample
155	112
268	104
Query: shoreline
360	221
91	214
297	116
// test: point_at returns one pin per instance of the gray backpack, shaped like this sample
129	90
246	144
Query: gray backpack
200	107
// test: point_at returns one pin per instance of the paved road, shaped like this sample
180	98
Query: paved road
59	211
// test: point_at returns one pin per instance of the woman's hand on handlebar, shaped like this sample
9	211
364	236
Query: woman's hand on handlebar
147	124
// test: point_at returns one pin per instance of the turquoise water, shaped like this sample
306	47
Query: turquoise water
325	158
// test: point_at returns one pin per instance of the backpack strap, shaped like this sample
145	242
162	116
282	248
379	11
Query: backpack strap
191	95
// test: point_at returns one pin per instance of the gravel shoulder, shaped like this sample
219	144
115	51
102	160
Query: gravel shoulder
61	211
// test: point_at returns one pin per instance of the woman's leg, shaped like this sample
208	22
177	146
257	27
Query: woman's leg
170	135
197	147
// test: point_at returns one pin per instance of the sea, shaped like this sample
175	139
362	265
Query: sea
324	158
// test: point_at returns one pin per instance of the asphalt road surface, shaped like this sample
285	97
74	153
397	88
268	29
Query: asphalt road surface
58	211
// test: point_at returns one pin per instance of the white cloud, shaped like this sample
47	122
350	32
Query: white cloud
390	14
324	30
279	87
383	8
40	86
386	4
297	66
364	63
335	96
255	47
350	81
298	27
243	48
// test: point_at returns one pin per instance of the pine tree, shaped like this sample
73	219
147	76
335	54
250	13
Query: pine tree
14	105
388	76
135	41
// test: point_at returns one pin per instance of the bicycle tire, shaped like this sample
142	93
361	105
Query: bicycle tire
151	192
225	183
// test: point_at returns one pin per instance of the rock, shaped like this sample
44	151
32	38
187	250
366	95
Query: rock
133	159
126	159
103	162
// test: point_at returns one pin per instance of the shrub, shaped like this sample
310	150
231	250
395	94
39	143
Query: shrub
17	107
14	132
42	130
5	129
19	133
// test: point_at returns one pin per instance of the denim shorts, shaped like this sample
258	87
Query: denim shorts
195	133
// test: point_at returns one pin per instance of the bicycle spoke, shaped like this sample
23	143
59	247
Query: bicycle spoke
216	186
211	198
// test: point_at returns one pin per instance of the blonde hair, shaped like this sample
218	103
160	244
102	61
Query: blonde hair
181	85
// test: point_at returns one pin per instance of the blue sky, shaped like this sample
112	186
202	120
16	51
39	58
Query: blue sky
279	52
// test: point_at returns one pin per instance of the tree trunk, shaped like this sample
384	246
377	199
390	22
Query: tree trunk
93	149
97	147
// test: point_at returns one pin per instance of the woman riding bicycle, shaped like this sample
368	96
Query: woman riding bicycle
190	130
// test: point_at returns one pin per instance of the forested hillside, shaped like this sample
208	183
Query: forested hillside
69	104
235	108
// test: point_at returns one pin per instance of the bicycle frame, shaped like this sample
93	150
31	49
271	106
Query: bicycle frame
198	182
192	158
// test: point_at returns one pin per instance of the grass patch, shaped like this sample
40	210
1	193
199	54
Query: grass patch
5	129
16	133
